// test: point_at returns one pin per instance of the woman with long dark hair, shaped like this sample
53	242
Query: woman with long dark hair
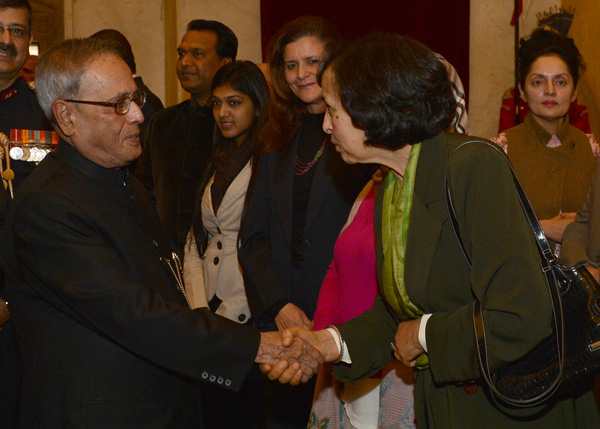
299	202
212	275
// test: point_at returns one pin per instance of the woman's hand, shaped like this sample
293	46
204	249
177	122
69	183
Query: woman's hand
290	316
408	347
554	228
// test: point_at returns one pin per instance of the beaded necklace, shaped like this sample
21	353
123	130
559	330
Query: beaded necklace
303	167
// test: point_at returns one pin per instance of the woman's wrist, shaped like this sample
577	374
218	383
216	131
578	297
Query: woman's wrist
332	344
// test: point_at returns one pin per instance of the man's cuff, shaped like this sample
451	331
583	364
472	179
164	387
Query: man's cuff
422	337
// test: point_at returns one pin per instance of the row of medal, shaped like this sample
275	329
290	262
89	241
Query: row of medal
24	145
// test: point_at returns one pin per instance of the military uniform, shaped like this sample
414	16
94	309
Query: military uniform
19	109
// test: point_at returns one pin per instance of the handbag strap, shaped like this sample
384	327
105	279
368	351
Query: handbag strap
548	259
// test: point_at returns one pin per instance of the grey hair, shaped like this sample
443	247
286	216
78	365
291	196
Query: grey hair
61	68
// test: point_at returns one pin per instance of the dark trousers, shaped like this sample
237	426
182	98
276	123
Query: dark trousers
288	407
10	378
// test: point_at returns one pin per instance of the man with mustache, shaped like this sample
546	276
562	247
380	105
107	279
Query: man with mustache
19	109
178	141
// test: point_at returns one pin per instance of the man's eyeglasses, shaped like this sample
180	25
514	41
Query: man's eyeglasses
15	33
121	106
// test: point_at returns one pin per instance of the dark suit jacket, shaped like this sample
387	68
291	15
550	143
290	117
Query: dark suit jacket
106	336
266	231
177	148
152	105
505	277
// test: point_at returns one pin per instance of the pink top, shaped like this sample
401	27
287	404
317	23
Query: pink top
350	286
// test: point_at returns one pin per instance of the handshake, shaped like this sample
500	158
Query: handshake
294	355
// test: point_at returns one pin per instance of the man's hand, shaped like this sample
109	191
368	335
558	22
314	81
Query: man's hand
408	347
296	360
290	316
4	313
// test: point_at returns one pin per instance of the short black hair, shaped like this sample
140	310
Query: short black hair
122	44
394	88
5	4
547	42
227	42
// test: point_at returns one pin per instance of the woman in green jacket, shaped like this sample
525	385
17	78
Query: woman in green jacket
389	101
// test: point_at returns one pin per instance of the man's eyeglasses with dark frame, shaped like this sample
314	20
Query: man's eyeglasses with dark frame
122	105
15	32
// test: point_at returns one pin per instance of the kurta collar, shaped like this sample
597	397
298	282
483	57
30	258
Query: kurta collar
68	154
543	136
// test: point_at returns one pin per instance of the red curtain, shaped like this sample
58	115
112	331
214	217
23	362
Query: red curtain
440	24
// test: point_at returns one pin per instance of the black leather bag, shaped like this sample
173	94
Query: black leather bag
570	356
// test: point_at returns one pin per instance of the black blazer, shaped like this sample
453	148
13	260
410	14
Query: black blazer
105	334
266	231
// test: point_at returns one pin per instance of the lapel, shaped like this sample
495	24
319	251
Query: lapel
428	214
237	189
281	166
326	169
425	224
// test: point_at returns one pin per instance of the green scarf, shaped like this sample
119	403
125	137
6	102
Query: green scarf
397	205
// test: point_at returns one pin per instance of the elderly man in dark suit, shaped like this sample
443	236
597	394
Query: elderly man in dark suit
97	298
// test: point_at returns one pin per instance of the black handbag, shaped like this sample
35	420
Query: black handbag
570	356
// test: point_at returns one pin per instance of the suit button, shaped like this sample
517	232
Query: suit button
228	382
212	378
132	198
205	375
308	242
219	245
220	380
216	260
242	317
